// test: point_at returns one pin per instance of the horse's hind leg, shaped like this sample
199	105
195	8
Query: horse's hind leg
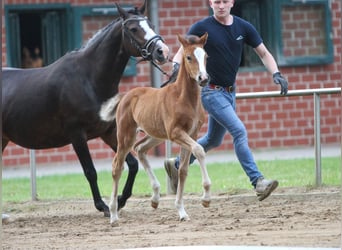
141	148
81	148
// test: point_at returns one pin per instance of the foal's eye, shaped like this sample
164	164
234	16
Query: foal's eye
188	58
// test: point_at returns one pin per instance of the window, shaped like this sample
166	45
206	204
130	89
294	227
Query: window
296	32
36	32
305	36
48	31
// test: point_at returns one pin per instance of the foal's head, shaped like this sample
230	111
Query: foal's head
139	36
195	57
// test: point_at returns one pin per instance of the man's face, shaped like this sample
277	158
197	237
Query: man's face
221	8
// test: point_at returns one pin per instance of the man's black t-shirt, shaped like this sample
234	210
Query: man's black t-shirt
224	46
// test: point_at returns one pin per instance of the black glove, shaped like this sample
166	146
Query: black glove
279	79
173	75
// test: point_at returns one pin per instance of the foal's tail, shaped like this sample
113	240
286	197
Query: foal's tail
108	109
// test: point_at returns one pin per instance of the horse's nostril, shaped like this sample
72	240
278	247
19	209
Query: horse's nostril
160	51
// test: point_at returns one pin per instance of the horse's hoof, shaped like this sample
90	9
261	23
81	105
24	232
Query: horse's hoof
154	204
205	203
121	202
106	213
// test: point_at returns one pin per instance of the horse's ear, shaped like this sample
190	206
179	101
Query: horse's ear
121	11
144	8
182	40
203	39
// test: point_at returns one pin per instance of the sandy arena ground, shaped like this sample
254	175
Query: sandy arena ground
291	217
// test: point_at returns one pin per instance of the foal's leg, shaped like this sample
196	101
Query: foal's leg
182	174
141	148
110	139
80	146
117	168
199	153
188	143
125	142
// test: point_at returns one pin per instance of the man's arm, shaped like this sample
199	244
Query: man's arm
271	65
267	58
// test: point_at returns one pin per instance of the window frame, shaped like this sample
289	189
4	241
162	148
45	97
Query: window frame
271	33
326	58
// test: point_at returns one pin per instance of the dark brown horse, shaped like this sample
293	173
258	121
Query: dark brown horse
67	101
172	113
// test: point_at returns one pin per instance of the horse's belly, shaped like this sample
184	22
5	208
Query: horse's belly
34	140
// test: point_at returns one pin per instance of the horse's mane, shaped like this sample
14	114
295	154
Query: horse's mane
98	35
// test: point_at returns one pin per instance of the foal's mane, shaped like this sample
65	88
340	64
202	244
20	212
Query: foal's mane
192	39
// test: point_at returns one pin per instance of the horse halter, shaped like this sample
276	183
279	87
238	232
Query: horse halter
146	50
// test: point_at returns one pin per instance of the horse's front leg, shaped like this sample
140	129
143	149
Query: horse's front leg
80	146
141	148
182	174
117	168
133	168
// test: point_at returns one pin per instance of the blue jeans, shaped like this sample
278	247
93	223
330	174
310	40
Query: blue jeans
220	106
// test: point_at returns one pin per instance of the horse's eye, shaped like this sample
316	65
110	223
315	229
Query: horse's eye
188	58
133	30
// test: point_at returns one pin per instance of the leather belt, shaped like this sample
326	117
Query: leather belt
229	89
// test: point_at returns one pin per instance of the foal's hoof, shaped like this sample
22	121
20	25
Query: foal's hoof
185	218
114	224
205	203
154	204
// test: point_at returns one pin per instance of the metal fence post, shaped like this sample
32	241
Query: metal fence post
168	149
33	175
317	121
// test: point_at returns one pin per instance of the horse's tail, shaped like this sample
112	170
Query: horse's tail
108	109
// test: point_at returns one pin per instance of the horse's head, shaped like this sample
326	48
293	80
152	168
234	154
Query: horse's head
195	57
140	38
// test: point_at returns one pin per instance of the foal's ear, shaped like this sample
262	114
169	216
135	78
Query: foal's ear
203	39
182	40
121	11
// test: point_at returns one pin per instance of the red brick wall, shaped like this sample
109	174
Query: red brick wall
271	122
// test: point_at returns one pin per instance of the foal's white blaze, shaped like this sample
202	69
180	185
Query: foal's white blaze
200	56
150	33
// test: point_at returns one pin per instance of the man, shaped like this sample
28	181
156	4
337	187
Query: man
227	36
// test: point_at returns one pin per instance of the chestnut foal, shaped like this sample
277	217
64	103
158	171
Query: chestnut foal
172	113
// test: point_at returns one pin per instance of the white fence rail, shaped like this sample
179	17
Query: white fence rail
317	116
